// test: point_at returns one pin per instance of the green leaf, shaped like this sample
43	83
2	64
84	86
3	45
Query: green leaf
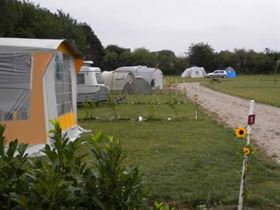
12	148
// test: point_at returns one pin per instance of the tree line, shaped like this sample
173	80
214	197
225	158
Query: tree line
199	54
165	60
27	20
24	19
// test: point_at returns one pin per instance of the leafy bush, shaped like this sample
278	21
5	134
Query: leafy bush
58	180
12	170
118	186
62	179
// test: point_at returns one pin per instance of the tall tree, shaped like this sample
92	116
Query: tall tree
26	20
116	56
166	60
202	55
142	56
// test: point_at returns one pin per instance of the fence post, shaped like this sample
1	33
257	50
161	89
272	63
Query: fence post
250	122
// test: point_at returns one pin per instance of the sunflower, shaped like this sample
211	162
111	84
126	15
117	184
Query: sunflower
246	151
240	132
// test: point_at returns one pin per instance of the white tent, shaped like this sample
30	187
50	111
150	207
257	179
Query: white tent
194	72
152	75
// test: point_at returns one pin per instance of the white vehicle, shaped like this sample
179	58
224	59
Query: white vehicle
217	74
90	84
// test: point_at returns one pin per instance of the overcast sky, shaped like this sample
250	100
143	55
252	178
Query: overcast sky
175	24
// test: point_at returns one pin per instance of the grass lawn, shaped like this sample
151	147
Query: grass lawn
184	161
262	88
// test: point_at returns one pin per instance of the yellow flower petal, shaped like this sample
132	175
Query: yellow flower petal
246	150
240	132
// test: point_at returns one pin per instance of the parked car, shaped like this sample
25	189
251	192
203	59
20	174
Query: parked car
217	74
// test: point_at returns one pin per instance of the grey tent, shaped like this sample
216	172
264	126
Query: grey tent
153	76
138	85
126	81
117	80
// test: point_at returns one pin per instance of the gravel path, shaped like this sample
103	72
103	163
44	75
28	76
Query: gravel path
233	112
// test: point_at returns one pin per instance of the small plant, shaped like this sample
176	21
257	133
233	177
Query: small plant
172	103
118	187
152	109
89	106
112	104
161	206
86	108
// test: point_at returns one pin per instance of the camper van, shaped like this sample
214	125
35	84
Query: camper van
90	84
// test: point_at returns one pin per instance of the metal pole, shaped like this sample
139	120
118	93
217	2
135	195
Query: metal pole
245	159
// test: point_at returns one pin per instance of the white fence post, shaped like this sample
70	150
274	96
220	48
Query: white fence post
251	121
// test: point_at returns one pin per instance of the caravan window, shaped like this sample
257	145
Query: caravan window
15	86
63	87
81	79
99	78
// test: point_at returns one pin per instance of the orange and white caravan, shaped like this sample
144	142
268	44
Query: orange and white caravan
38	84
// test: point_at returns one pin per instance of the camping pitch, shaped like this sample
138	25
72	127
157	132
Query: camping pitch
38	84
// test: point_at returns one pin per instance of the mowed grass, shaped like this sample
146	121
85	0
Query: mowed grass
262	88
185	161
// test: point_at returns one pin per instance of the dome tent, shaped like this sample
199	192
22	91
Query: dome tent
231	73
194	72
